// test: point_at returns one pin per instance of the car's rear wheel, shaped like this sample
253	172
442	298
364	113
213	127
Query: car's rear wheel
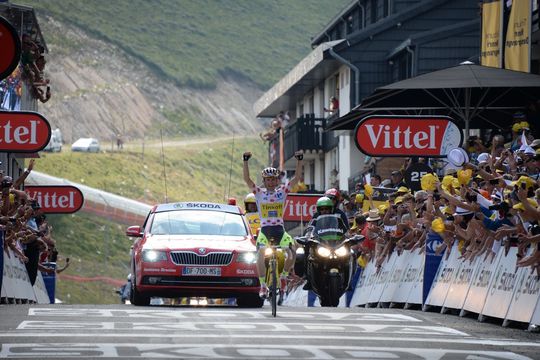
138	299
250	301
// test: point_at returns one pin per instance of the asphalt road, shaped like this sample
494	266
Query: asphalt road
181	332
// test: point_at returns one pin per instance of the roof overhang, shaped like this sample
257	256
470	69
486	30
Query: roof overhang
305	76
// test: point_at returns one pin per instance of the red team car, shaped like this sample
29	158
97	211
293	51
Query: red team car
194	249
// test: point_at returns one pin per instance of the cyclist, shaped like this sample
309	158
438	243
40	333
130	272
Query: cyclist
252	214
270	201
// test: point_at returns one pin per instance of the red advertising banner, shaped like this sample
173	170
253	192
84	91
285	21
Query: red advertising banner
23	131
10	48
426	136
57	199
300	207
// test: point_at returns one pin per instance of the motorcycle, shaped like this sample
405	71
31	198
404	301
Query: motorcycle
330	260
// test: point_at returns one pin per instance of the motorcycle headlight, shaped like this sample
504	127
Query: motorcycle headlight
323	252
247	257
268	251
342	251
154	256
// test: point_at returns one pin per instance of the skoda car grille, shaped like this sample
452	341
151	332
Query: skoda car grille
191	258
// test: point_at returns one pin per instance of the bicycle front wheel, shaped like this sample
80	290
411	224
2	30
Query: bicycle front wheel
273	287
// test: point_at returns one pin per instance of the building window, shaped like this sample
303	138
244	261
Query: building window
386	8
373	11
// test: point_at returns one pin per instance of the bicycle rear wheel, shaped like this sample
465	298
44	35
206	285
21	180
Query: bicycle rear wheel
273	286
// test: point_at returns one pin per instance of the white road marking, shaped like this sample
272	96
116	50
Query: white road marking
228	351
251	327
269	337
210	313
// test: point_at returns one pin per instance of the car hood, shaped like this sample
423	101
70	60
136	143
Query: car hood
182	242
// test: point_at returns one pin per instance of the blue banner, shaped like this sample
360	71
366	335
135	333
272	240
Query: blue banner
431	265
50	281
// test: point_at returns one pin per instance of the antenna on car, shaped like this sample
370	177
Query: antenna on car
230	169
163	162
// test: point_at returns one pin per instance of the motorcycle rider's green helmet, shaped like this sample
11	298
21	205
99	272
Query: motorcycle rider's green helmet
325	202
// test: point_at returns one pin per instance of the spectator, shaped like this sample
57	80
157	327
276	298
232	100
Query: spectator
333	106
397	179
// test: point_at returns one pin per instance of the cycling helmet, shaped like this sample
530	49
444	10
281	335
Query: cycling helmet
325	202
333	194
270	172
250	198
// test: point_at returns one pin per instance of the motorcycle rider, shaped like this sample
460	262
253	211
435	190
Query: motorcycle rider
334	195
270	201
325	206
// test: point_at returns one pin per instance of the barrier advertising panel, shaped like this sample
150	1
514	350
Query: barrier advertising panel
526	296
363	287
502	286
445	276
459	288
57	199
415	278
480	283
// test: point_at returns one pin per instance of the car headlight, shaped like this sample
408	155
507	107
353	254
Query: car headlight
324	252
154	256
247	257
342	251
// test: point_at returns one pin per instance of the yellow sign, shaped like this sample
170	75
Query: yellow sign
272	210
517	48
492	34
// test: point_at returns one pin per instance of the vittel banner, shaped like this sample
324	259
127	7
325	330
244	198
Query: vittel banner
22	131
10	46
57	199
432	136
300	207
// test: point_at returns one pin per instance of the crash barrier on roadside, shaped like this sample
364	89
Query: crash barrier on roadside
16	287
493	288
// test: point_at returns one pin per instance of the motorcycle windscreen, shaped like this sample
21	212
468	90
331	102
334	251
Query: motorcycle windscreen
329	229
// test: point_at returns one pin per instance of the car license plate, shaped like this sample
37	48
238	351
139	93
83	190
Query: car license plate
201	271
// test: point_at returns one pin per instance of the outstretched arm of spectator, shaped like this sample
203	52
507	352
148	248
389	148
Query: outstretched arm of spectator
454	201
20	180
522	196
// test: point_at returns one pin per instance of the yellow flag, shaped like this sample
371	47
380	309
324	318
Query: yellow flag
517	48
491	54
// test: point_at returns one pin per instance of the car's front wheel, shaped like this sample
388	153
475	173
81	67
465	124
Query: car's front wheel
137	298
250	301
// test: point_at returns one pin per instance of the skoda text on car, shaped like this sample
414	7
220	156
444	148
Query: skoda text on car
194	249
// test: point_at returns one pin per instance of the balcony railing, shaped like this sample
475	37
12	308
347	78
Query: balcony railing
307	134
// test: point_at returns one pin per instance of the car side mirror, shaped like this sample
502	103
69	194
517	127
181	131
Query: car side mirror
134	231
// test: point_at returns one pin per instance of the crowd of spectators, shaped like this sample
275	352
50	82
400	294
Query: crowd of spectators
26	230
490	202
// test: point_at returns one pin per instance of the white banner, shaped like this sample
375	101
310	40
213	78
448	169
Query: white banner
363	286
16	278
446	273
395	263
42	297
415	276
457	293
525	298
481	281
502	286
380	282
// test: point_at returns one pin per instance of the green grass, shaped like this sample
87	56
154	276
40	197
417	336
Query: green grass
99	247
193	41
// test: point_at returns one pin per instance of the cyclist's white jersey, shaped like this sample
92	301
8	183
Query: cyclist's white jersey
271	204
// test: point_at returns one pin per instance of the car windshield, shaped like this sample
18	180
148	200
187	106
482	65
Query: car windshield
198	222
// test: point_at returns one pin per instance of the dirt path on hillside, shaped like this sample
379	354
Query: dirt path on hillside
188	142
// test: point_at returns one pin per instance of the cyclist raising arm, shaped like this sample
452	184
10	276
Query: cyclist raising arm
270	204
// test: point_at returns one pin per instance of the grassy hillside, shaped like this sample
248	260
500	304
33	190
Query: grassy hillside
98	247
193	41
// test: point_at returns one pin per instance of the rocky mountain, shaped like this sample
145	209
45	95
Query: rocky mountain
100	91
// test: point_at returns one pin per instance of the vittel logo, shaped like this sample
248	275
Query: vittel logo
23	131
57	199
407	135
